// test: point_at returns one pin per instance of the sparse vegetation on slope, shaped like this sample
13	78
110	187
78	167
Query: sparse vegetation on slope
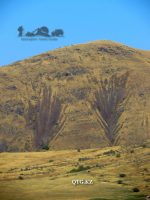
109	104
45	117
67	71
46	175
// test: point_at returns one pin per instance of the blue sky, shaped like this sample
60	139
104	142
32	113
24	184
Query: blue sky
124	21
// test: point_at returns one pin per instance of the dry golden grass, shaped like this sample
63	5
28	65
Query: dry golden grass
46	175
68	70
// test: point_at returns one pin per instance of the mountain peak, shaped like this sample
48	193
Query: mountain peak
74	74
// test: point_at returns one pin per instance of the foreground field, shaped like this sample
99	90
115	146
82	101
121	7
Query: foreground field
115	172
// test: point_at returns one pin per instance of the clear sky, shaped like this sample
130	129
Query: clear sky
124	21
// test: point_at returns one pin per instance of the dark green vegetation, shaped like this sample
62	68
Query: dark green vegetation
80	168
132	197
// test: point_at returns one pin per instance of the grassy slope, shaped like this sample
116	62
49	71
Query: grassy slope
46	174
68	70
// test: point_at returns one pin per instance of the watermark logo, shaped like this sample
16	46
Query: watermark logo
40	33
82	182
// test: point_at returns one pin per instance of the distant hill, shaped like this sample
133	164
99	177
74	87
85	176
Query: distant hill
73	73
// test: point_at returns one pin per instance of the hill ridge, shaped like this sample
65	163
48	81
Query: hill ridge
73	72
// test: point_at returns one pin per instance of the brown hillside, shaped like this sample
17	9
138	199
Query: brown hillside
73	73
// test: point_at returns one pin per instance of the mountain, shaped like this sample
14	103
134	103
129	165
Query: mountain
74	74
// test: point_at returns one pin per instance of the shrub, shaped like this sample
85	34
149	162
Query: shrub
109	153
98	165
98	198
135	189
80	168
84	159
45	147
144	146
20	177
147	179
145	169
120	182
132	151
118	155
50	160
122	175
